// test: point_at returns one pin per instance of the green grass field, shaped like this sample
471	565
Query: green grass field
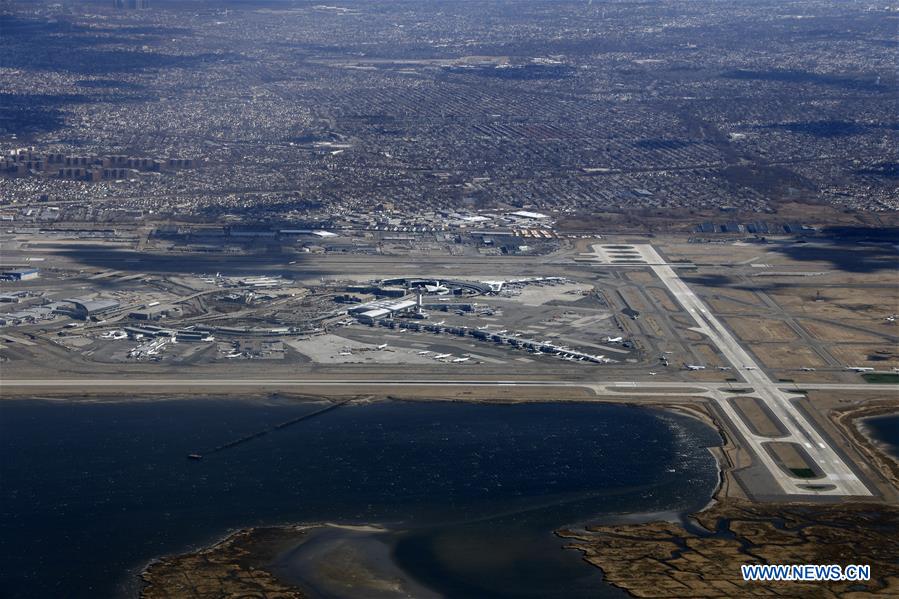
882	378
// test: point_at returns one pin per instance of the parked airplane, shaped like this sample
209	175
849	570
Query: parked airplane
460	360
423	353
442	356
807	369
694	367
859	369
382	346
614	339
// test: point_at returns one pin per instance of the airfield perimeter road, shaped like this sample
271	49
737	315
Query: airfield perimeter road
779	398
838	473
616	387
717	392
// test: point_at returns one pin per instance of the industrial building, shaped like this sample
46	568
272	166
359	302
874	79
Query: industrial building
370	312
20	274
86	308
154	312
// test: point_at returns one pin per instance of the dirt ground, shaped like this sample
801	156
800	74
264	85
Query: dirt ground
787	356
879	356
790	456
761	329
832	332
758	418
866	306
663	298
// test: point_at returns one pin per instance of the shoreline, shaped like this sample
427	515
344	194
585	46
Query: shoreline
153	573
624	551
851	421
726	500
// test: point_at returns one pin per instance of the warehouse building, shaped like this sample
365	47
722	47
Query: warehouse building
20	274
87	308
370	312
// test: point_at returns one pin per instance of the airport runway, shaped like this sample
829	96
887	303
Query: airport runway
838	474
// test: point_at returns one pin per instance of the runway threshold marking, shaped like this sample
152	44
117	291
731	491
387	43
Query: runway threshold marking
838	473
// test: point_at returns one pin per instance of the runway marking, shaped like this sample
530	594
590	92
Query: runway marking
780	403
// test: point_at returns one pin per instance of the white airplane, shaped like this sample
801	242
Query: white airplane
460	360
724	368
208	338
891	319
442	356
346	353
439	323
235	354
807	369
483	327
749	367
423	353
859	369
694	367
382	346
652	373
614	339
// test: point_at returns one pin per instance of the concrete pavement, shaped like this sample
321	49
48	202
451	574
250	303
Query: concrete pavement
839	477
